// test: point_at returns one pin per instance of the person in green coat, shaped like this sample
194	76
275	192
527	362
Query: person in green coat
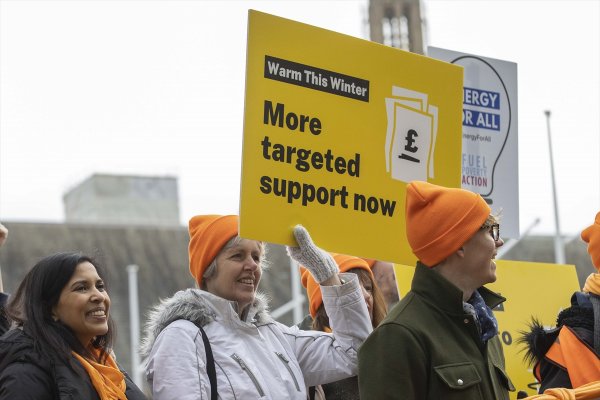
441	341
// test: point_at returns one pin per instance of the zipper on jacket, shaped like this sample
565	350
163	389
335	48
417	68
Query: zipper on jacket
286	362
249	372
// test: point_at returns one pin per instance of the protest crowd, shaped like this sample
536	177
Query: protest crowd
218	340
362	338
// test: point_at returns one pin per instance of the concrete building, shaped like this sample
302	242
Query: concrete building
123	200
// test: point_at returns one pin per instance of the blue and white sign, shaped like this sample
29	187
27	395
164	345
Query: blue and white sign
490	162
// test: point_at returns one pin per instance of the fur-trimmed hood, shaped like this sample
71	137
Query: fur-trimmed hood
199	307
537	341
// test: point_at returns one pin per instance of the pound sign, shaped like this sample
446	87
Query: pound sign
410	146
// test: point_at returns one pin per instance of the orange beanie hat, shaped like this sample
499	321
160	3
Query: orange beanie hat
208	235
591	235
313	290
370	262
440	220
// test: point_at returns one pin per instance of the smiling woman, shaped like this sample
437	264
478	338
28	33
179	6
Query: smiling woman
61	341
226	325
83	304
240	271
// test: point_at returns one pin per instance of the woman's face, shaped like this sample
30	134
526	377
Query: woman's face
83	304
238	273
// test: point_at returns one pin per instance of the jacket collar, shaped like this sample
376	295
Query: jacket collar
436	289
201	308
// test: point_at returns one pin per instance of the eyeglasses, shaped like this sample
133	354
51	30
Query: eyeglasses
495	232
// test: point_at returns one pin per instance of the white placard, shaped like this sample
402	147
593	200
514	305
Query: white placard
490	161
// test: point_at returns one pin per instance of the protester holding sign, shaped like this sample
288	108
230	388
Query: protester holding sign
568	356
221	339
346	389
441	340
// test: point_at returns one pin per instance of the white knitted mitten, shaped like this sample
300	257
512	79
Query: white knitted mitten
319	262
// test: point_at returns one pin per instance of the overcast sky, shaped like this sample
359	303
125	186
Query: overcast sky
157	88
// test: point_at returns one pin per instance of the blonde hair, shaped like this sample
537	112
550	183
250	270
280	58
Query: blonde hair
491	220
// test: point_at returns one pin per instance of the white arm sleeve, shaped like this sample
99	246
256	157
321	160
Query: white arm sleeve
327	357
176	367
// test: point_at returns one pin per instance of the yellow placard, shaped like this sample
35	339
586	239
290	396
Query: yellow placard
532	290
334	128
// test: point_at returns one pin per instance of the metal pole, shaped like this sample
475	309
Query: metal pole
296	295
134	324
297	301
559	249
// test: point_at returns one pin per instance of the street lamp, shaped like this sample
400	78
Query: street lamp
559	249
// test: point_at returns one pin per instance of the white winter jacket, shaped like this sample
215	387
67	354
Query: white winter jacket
258	358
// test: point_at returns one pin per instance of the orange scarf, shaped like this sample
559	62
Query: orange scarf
107	379
592	284
572	354
590	391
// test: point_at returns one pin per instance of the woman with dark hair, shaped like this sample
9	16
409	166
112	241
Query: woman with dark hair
61	348
345	389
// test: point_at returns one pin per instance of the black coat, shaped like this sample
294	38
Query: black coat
580	318
3	320
27	375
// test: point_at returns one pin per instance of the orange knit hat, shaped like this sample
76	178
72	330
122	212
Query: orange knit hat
370	262
208	235
313	290
440	220
591	235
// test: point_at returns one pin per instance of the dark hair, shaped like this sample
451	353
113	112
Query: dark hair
321	319
31	308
